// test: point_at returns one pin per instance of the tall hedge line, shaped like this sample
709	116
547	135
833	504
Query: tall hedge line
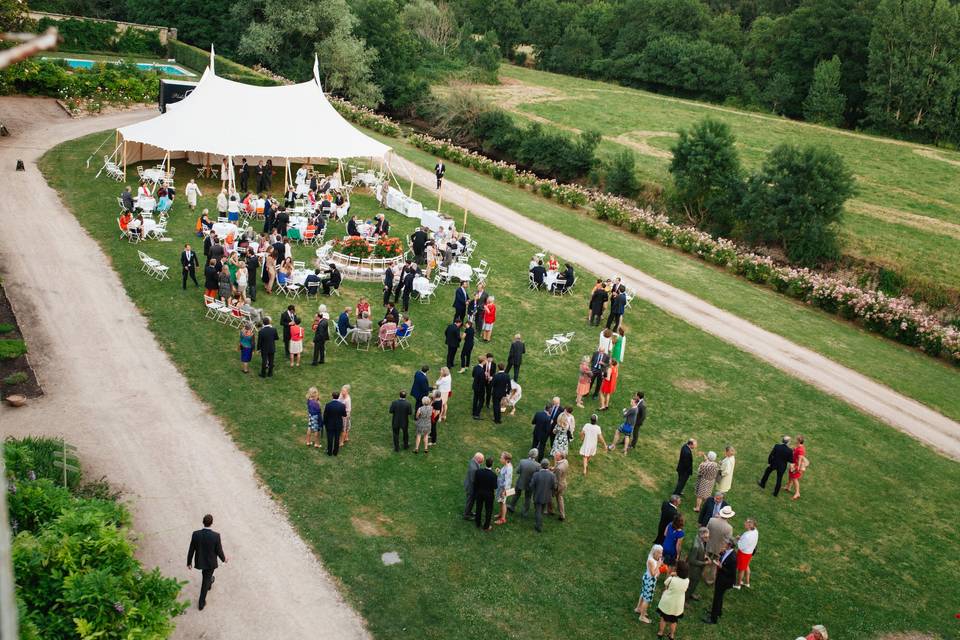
198	59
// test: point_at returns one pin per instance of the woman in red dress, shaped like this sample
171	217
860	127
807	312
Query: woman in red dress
489	318
797	468
609	385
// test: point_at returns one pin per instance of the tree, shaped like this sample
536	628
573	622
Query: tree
825	102
397	51
707	175
199	22
622	175
779	92
435	24
13	14
795	201
575	52
277	31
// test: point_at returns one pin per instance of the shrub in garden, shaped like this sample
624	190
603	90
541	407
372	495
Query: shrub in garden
622	175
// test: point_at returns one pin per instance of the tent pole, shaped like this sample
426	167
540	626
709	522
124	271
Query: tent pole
286	176
464	220
124	159
440	198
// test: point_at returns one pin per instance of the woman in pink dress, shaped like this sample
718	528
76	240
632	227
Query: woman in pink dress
583	384
797	468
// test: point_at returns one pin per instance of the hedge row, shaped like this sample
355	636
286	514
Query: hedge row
95	36
198	59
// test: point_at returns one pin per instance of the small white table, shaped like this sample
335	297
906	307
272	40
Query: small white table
421	285
224	229
460	270
550	279
153	175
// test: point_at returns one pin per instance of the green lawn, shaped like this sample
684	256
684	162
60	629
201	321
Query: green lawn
906	215
836	557
906	370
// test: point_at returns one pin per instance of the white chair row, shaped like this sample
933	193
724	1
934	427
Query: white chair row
112	169
559	343
222	313
153	267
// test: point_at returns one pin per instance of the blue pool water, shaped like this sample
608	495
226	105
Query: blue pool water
169	69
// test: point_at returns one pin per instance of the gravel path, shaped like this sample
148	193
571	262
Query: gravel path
869	396
115	394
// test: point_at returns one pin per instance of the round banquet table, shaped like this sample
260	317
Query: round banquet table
461	271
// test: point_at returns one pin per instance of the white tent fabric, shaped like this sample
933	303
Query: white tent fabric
226	118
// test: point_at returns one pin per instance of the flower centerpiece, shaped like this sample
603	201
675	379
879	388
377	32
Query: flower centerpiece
388	247
353	246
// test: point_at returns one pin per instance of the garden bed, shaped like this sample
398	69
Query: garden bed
16	374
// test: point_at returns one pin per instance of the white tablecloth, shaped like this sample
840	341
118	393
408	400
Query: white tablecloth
149	224
461	271
436	222
146	204
153	175
421	285
550	278
368	178
300	276
224	229
299	222
400	203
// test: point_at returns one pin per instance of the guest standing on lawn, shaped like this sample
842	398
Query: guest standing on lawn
314	411
649	582
247	338
727	466
685	465
563	433
726	573
484	488
321	333
489	318
673	598
590	433
348	413
296	342
400	410
466	350
797	468
515	357
706	477
583	383
746	545
697	560
673	540
192	191
619	345
444	385
424	413
781	456
475	464
504	485
267	345
609	385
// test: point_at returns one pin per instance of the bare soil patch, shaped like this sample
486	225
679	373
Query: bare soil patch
692	385
370	525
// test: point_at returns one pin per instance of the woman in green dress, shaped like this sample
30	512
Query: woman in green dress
619	346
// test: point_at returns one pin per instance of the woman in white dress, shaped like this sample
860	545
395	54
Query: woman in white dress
301	180
192	192
348	402
511	399
727	466
444	384
222	203
590	433
606	341
224	173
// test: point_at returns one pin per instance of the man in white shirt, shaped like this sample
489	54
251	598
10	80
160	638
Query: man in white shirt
746	545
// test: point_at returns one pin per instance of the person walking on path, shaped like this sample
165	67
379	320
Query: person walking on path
504	485
205	548
542	485
746	545
515	357
439	170
685	465
780	457
726	573
649	582
673	599
484	487
475	464
267	345
525	470
727	466
400	412
560	469
697	561
797	468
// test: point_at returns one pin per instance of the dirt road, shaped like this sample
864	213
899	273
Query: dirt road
115	394
867	395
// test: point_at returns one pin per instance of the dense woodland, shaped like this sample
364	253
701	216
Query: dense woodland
884	65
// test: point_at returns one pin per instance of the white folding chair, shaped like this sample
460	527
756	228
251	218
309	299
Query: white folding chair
553	346
343	339
213	305
389	336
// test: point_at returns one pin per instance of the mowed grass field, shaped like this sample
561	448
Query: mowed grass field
869	550
907	211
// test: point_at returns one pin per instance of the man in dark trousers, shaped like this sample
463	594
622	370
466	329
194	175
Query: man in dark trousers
618	304
726	575
467	348
333	415
779	458
244	174
211	279
387	285
541	431
479	386
668	511
476	463
408	287
599	364
484	486
538	273
267	346
489	370
524	472
188	259
500	385
460	300
542	485
598	300
399	280
515	357
204	550
641	416
711	508
685	465
438	170
452	338
261	175
401	410
321	334
418	241
253	274
287	319
333	279
421	386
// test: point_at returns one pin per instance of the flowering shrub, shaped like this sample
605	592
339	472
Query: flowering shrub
365	117
353	246
102	84
388	248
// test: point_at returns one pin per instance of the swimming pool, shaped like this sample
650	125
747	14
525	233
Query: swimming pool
168	69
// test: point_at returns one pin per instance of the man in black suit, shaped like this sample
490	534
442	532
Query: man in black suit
244	174
500	384
515	357
599	364
211	278
418	240
541	431
489	370
484	486
401	411
685	465
267	345
598	300
538	273
188	259
711	508
287	319
555	410
261	175
618	304
205	548
438	170
253	273
352	229
313	282
726	575
779	458
387	285
382	226
126	199
479	386
320	336
399	280
281	221
452	338
334	414
333	279
460	299
408	287
467	351
668	511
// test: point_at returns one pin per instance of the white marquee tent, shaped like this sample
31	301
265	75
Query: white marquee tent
221	118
